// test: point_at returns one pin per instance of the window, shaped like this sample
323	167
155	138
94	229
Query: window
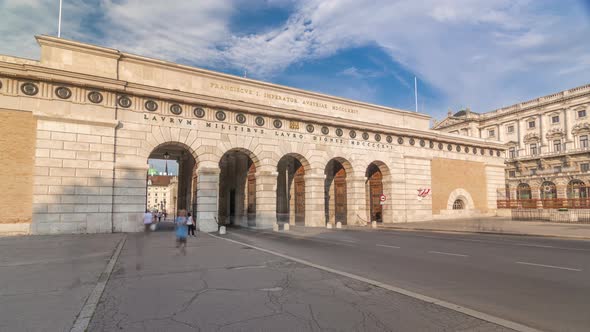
491	133
585	167
557	146
156	194
156	200
557	169
512	153
458	205
533	171
533	149
532	124
555	119
581	113
584	141
510	129
511	174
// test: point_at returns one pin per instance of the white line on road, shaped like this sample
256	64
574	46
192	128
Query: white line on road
349	241
447	253
387	246
455	307
550	266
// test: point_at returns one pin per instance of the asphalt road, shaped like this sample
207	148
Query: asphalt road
540	282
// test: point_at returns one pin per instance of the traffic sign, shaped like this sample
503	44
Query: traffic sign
382	198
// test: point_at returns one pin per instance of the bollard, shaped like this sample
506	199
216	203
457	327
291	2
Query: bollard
286	227
275	227
329	226
374	224
221	230
339	225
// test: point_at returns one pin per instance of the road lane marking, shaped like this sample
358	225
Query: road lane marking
349	241
550	266
448	305
388	246
447	253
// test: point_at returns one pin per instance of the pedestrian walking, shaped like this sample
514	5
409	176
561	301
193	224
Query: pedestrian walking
159	216
147	220
181	231
190	222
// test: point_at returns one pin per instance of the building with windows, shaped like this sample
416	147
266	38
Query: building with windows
161	193
548	154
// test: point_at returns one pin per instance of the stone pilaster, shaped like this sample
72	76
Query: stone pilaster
266	199
129	198
357	201
207	198
314	200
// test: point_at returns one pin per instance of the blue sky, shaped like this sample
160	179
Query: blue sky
466	53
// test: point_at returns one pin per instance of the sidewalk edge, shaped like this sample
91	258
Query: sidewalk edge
568	237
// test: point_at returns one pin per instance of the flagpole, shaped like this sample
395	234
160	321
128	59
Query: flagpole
59	21
416	93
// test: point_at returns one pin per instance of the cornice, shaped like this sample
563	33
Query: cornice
45	40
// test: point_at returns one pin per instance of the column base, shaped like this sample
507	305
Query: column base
207	225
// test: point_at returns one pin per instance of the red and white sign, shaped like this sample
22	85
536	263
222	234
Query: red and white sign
382	198
423	193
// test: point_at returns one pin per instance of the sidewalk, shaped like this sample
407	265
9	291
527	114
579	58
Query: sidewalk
499	226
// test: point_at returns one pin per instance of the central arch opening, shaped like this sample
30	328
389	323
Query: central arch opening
336	208
237	189
291	191
375	184
171	183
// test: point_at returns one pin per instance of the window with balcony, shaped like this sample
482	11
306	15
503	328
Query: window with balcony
581	113
511	153
510	129
585	167
555	119
557	146
533	149
584	141
491	133
532	124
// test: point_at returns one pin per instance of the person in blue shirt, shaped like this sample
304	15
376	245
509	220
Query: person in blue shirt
181	231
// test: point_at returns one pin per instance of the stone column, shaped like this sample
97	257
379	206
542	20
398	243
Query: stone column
566	127
387	208
129	197
542	142
207	198
519	137
266	199
314	200
356	207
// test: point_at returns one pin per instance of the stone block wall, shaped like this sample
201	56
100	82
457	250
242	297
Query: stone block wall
73	177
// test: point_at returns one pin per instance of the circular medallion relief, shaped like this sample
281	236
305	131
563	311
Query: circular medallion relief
352	134
310	128
377	137
466	149
412	141
95	97
30	89
474	150
449	147
400	140
481	151
0	84
240	118
124	101
259	121
277	123
325	130
151	105
491	152
498	153
422	143
458	148
389	139
440	146
431	144
199	112
220	115
63	92
176	109
365	136
339	132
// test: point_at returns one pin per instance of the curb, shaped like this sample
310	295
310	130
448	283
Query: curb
85	315
565	237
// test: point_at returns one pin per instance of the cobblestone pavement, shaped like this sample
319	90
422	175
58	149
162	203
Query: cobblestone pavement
223	286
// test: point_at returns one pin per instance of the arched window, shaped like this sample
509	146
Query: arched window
458	205
523	191
548	190
577	189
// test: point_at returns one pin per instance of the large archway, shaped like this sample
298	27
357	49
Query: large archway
548	190
523	191
172	185
377	174
291	189
336	190
237	189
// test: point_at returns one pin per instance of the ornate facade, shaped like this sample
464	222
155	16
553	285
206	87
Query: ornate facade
249	152
547	143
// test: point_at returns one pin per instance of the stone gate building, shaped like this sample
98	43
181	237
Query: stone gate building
79	125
